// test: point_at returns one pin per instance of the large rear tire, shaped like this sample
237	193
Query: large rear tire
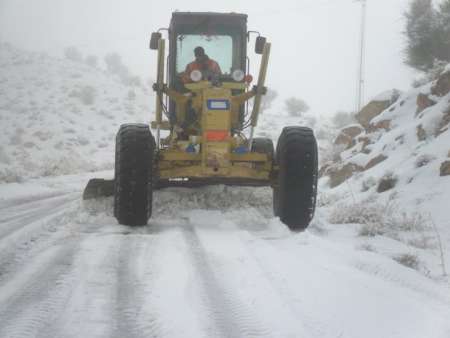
294	198
133	189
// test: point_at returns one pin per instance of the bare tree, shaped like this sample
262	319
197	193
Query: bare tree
267	99
73	54
296	107
343	118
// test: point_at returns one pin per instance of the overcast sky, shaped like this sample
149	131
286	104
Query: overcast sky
314	51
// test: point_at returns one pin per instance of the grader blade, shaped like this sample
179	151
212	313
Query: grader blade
98	187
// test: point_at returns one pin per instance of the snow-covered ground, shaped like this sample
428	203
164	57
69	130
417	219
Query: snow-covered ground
409	219
59	116
212	262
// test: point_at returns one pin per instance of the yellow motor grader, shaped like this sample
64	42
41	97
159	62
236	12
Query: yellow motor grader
204	128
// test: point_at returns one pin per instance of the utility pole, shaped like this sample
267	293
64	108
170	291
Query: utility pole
362	50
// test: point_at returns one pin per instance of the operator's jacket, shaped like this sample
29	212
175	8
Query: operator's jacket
205	66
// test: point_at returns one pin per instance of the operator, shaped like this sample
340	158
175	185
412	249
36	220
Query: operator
203	63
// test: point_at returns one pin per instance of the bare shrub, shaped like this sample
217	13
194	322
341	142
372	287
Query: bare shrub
371	230
423	242
408	260
11	176
325	134
343	118
387	182
131	80
91	60
368	183
326	199
4	158
377	218
357	213
423	160
131	95
85	94
331	153
406	221
367	247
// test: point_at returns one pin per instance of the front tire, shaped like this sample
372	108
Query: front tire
294	197
133	189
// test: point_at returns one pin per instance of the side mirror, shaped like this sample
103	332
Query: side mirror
259	44
156	36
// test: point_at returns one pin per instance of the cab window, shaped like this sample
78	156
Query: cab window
217	47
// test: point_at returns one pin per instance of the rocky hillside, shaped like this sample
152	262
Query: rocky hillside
60	116
400	138
391	172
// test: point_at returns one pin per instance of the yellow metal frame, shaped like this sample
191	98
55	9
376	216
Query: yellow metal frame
215	160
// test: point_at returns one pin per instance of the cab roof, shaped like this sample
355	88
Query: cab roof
207	19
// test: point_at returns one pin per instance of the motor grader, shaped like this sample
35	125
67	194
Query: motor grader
204	127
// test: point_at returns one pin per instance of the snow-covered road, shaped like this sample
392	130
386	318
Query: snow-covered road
211	263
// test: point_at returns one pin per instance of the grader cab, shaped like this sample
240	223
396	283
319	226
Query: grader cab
204	129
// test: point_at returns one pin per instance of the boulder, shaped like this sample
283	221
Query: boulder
372	109
365	141
442	85
443	125
374	161
347	135
339	174
353	130
383	124
445	168
324	169
423	102
421	133
342	139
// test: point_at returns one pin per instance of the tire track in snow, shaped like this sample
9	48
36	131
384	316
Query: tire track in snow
31	238
34	298
89	308
16	204
135	276
220	307
259	250
39	270
236	290
14	219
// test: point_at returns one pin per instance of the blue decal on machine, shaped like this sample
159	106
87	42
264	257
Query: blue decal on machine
218	104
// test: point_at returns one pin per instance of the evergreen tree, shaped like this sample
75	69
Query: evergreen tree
420	34
442	46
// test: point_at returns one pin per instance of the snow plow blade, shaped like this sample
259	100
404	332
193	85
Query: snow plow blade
98	187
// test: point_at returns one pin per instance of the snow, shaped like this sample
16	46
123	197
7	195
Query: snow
447	68
59	116
213	261
202	269
420	192
385	96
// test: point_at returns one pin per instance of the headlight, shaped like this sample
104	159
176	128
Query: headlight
238	75
196	75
